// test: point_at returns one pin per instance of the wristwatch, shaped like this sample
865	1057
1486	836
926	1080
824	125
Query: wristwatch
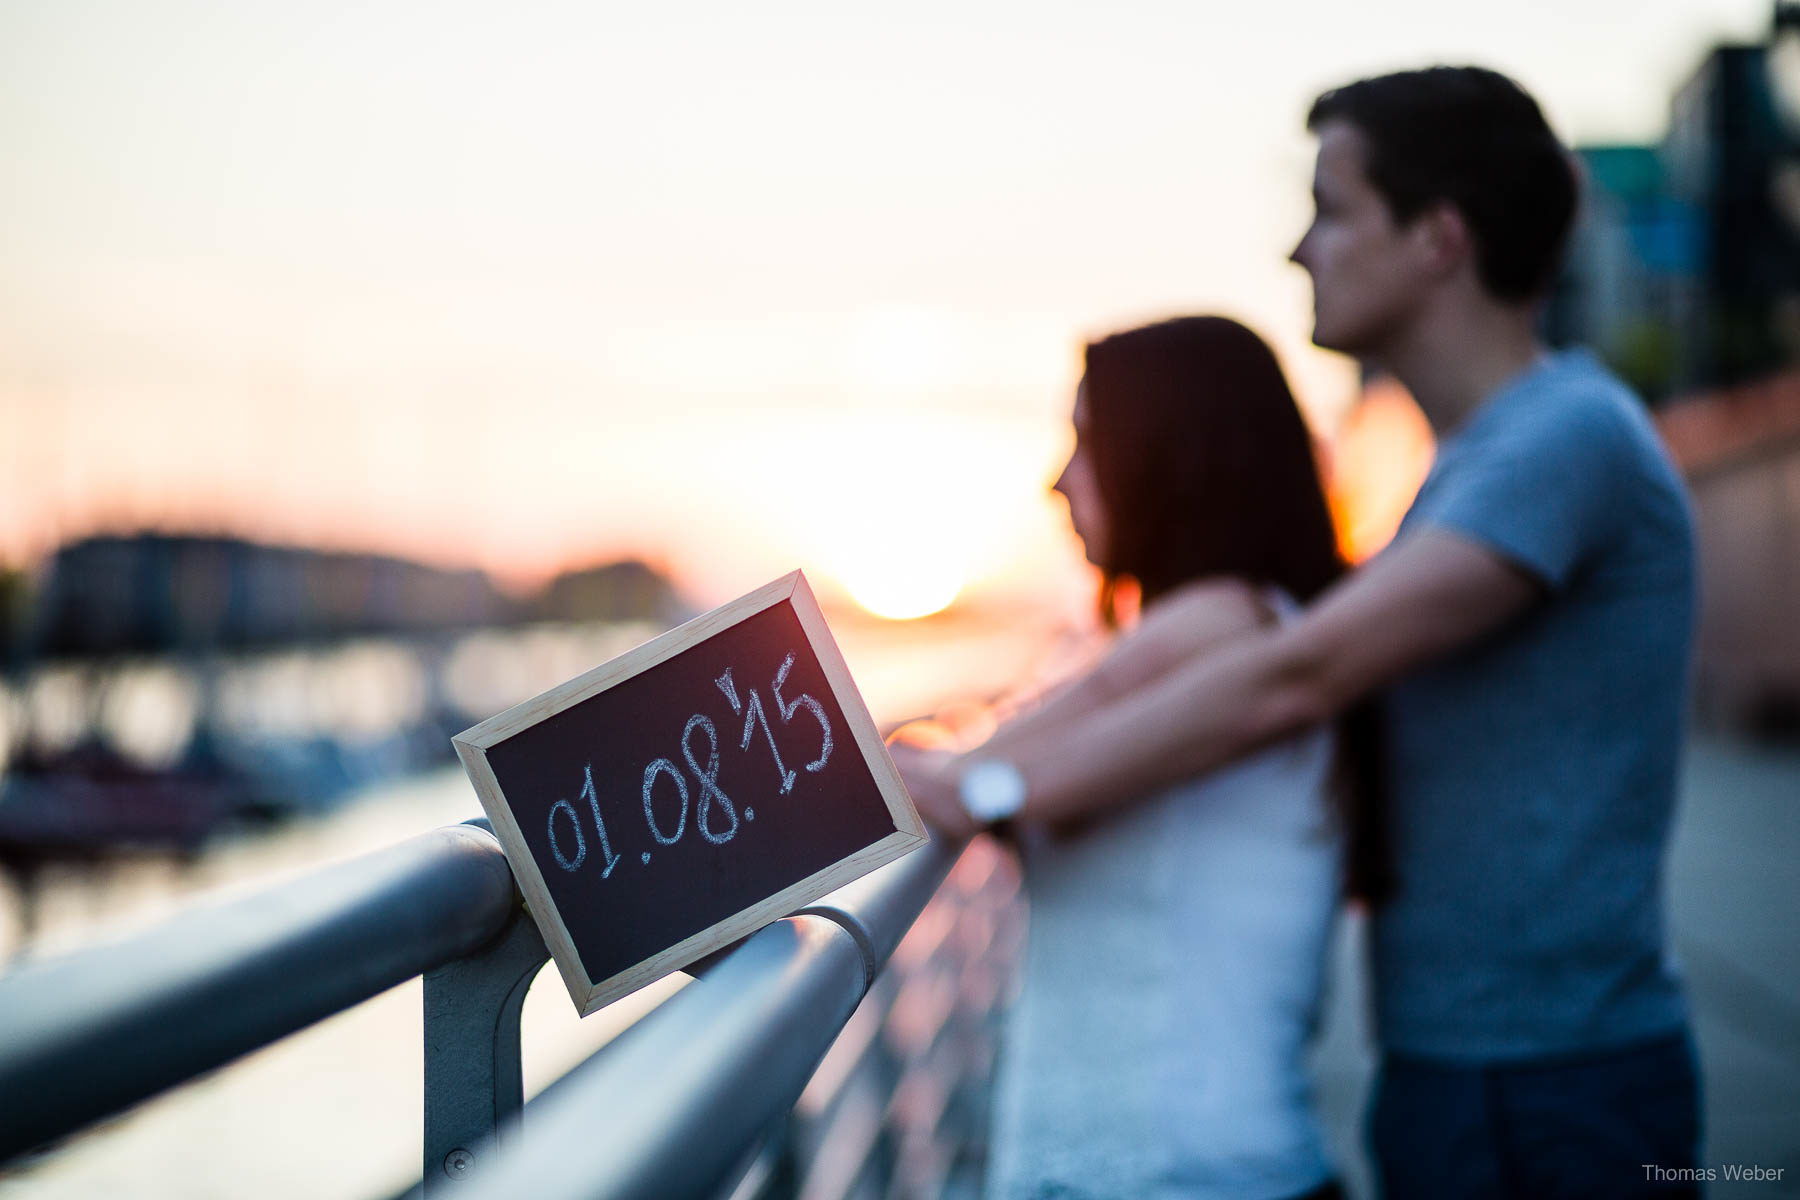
991	790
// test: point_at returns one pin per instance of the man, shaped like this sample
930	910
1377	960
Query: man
1529	631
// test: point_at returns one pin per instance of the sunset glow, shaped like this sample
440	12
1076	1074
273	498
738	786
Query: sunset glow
903	593
471	298
925	505
1378	461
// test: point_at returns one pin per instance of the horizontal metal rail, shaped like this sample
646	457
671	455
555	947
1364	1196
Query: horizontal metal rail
677	1103
85	1036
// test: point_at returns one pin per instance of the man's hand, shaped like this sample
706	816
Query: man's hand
931	778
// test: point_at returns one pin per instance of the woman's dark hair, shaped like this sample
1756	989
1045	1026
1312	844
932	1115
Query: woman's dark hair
1474	138
1203	462
1205	467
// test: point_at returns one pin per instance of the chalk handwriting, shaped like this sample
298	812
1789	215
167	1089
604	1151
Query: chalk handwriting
659	767
712	799
803	700
593	799
709	780
563	860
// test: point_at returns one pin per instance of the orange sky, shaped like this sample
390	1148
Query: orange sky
740	290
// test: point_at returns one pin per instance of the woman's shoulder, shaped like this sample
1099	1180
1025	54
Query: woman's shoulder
1227	602
1205	612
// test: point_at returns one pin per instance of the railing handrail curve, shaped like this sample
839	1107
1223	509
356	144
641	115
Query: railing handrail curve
692	1086
682	1097
86	1035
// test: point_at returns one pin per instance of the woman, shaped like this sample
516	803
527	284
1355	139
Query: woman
1177	944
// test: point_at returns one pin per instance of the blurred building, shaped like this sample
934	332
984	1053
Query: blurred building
1733	159
1684	274
151	593
627	590
1633	286
1684	267
1739	449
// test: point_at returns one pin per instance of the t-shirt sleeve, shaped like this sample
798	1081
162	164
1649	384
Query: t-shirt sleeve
1542	489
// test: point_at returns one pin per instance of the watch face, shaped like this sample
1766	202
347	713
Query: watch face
992	790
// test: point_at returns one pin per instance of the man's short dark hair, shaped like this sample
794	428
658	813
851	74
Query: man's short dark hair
1476	139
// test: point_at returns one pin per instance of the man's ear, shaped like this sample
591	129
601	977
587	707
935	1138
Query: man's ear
1445	241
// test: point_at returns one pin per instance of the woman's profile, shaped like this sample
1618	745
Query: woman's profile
1177	944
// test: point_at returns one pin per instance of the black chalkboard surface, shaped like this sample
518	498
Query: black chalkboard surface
690	791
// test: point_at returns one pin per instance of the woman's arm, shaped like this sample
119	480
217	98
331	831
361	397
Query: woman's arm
1189	622
1184	624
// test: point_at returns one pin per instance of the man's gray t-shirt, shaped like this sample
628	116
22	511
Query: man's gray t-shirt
1533	773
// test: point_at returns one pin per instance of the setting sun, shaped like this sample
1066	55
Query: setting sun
921	504
911	576
903	598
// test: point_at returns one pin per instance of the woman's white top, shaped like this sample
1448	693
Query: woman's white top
1172	978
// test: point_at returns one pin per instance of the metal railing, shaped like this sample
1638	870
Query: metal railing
680	1104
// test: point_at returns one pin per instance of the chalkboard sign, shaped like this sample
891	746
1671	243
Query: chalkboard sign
668	802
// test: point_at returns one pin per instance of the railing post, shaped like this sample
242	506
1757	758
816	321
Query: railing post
474	1081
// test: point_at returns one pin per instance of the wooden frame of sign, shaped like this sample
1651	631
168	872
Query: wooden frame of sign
601	917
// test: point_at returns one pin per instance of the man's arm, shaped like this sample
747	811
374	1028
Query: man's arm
1433	593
